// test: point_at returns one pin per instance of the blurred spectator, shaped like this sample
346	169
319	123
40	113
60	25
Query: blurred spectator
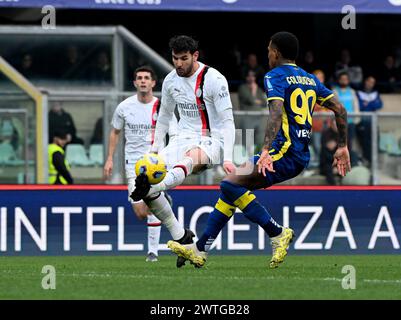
252	98
60	120
26	66
369	101
72	67
388	76
59	169
354	72
232	64
347	96
319	122
309	63
101	72
250	95
97	136
252	64
329	146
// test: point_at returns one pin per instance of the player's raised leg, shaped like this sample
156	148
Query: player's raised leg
236	192
158	203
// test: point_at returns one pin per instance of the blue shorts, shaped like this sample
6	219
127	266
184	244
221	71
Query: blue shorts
287	167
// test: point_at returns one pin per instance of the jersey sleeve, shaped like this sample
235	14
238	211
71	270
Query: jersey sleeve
322	92
167	105
220	93
118	119
274	86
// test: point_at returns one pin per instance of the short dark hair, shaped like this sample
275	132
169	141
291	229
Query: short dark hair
287	44
183	43
145	69
60	133
342	73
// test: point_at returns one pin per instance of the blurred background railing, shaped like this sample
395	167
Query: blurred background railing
87	71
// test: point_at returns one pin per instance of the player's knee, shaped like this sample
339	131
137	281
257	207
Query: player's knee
198	156
186	164
227	187
232	178
141	210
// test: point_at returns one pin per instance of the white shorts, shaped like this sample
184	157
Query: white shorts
176	149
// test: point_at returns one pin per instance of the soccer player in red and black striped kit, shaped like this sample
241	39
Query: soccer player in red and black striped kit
199	96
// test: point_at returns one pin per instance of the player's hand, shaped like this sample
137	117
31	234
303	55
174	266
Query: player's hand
265	162
342	161
108	168
228	167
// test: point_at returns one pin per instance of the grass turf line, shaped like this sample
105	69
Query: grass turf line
225	277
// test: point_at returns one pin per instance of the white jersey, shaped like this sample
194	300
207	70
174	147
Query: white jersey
137	119
199	99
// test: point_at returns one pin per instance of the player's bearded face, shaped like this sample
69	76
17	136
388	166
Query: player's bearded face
184	63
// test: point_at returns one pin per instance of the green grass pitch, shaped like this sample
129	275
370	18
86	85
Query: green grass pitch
225	277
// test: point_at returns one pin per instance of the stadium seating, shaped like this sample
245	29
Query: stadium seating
388	143
7	153
359	176
76	155
96	153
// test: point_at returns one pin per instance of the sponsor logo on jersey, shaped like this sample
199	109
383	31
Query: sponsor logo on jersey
190	110
223	94
303	133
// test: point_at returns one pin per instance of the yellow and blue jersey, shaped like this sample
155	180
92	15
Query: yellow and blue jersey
299	90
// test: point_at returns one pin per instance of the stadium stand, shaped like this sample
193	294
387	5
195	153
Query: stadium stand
87	102
76	156
7	153
96	154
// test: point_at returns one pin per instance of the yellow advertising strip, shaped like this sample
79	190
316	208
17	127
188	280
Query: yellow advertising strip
37	96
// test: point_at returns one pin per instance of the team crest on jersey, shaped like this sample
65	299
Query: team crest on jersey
223	88
198	92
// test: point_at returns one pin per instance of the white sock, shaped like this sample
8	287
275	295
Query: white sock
154	227
161	208
174	177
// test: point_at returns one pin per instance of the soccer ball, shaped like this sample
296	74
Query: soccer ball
153	166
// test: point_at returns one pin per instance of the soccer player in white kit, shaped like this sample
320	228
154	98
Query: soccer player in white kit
137	116
205	132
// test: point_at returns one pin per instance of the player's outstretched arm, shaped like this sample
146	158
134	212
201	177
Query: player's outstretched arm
113	140
341	156
274	122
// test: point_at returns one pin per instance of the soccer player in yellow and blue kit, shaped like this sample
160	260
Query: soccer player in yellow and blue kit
292	94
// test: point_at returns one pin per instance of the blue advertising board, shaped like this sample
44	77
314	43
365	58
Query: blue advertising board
328	6
85	220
